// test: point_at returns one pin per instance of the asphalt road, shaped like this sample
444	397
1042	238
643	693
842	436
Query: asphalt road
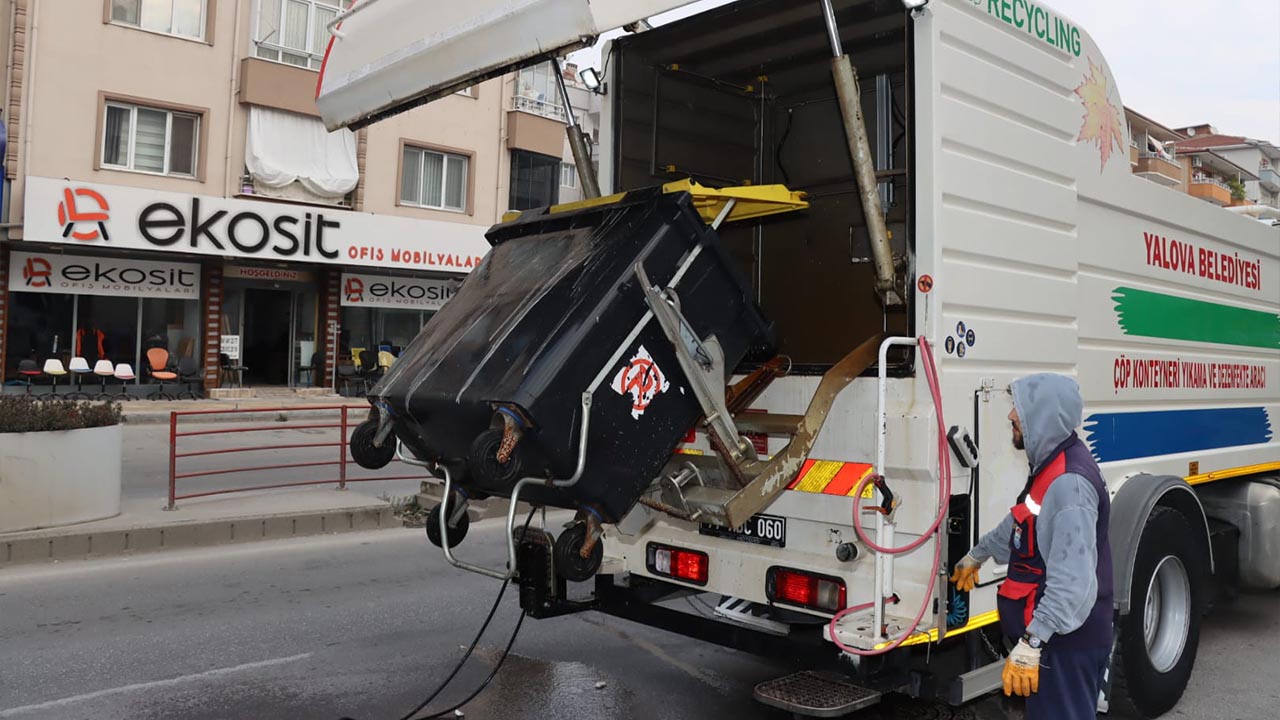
146	460
362	625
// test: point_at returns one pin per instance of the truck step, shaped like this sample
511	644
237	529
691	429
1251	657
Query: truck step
815	694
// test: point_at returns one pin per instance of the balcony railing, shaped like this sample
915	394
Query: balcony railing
538	107
1269	178
1210	188
1159	169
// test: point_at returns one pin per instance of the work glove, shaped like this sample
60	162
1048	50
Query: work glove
1022	670
965	575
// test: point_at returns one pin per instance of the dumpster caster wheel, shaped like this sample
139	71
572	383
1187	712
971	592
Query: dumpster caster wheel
483	460
366	454
456	533
569	562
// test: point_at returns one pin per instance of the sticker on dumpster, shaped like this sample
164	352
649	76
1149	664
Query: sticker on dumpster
642	379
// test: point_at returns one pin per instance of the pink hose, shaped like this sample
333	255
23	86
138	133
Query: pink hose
944	496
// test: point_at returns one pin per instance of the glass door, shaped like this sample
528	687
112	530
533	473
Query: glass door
302	337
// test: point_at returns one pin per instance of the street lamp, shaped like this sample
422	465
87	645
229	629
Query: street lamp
591	79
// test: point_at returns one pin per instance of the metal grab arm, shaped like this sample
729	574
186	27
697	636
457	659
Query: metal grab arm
515	499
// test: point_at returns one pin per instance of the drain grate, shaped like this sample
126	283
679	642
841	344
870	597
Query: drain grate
815	694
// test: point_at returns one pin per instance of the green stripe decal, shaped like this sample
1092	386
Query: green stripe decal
1150	314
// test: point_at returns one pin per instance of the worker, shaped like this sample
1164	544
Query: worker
1056	602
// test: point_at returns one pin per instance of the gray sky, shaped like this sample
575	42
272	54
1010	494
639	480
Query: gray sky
1179	62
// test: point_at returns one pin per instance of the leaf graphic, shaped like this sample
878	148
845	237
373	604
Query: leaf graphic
1103	125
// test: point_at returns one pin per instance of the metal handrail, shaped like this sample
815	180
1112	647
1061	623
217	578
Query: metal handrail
341	461
570	481
537	107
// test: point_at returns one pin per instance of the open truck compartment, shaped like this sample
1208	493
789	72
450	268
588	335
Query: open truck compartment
744	93
493	386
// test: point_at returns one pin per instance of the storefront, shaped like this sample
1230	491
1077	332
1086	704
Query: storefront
98	307
262	282
386	312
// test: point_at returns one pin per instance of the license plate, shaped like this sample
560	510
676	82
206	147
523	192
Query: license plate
760	529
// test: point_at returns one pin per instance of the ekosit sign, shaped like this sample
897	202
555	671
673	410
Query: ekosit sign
113	276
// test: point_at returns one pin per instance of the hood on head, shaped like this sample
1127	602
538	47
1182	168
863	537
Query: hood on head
1050	409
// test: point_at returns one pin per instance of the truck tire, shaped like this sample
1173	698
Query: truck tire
1159	637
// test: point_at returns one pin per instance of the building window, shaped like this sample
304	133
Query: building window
534	180
568	175
150	140
538	93
294	31
433	179
184	18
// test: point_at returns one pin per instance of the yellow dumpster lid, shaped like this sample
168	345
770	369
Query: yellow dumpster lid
749	201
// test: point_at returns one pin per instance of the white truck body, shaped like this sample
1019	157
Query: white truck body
1033	248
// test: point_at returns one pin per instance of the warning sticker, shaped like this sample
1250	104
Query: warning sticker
643	380
830	477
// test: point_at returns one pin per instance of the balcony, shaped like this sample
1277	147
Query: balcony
1133	156
538	107
1269	179
1158	170
1210	189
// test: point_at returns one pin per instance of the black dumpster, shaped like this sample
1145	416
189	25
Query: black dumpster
556	310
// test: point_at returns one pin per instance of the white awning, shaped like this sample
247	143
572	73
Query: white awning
284	148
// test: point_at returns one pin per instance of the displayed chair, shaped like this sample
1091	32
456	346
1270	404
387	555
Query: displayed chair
79	367
29	371
104	369
386	360
369	371
190	373
356	353
54	369
312	371
346	375
124	373
227	369
158	369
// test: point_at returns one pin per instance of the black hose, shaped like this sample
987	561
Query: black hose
467	655
777	154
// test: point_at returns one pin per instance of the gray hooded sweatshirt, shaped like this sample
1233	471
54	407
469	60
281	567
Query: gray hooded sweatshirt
1050	409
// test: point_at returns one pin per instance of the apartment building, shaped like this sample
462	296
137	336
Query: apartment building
1260	159
169	185
1202	163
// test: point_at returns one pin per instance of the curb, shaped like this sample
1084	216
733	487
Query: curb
54	546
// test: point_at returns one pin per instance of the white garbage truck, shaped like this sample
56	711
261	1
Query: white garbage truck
970	217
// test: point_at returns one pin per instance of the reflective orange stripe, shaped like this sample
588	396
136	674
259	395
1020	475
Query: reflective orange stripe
829	477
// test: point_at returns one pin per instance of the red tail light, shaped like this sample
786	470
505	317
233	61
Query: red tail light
687	565
803	589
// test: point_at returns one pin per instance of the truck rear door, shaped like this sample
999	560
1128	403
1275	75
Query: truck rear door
388	56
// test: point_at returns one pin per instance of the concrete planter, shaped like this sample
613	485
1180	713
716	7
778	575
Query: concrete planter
48	479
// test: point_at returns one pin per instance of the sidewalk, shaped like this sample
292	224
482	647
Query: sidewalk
143	526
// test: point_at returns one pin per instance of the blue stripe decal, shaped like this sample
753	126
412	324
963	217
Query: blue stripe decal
1123	436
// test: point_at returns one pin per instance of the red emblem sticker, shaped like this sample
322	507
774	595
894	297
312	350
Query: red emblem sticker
925	283
643	380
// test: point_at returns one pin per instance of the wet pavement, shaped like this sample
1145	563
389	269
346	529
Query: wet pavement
363	625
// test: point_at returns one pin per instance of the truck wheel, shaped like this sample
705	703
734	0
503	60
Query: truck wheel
1160	635
569	562
456	533
365	453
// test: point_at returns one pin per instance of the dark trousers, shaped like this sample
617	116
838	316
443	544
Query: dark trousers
1069	684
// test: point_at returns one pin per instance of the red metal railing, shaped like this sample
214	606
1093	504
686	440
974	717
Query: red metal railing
341	424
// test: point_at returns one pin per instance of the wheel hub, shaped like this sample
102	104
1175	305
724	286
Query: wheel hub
1166	617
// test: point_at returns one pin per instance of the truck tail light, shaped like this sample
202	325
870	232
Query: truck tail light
804	589
686	565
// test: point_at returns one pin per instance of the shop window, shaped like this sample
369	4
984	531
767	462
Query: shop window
568	175
107	329
183	18
535	180
294	31
433	179
173	325
366	328
150	140
39	328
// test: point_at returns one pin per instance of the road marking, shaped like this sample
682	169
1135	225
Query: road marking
12	712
